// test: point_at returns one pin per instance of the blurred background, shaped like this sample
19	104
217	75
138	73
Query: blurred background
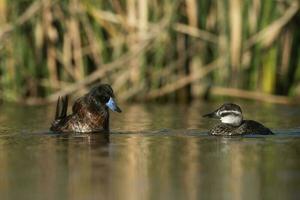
153	51
158	50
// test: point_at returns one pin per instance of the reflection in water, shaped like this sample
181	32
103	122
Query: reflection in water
135	166
87	166
180	167
163	164
61	167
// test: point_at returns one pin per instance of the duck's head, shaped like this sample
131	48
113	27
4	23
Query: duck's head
228	113
103	94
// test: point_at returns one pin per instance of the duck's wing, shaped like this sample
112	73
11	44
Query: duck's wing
254	127
79	106
96	116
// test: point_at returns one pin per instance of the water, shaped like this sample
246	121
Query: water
154	152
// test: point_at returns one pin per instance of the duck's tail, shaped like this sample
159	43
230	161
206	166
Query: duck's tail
61	107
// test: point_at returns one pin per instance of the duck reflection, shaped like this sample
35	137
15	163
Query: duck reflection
87	165
141	166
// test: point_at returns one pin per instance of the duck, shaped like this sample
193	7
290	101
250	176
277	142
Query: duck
232	122
90	113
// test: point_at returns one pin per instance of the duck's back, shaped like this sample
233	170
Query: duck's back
84	118
247	127
254	127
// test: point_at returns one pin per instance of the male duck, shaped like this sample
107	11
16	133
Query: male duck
89	112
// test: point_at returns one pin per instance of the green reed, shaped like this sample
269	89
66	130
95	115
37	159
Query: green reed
171	50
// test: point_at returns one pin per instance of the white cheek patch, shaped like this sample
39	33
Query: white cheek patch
232	119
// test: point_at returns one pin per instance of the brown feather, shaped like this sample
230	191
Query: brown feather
89	112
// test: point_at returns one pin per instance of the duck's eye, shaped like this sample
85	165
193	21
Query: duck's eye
105	99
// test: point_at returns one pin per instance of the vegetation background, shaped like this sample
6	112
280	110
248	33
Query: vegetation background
166	50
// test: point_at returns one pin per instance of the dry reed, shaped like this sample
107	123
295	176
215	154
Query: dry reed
146	50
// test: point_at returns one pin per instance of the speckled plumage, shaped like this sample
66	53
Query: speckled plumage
247	127
89	112
232	122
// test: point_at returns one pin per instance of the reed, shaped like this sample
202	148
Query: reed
172	50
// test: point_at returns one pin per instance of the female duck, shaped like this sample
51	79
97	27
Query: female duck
232	122
89	112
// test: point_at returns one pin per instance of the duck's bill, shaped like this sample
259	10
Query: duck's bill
111	104
211	115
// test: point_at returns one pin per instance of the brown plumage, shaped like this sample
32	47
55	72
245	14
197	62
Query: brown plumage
232	122
89	112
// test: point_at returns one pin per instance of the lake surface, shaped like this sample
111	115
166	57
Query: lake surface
154	152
